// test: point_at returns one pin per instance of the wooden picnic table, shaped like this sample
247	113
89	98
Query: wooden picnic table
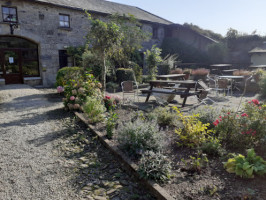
184	93
171	77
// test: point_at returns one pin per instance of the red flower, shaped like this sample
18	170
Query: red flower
228	113
244	115
220	116
255	101
249	102
107	97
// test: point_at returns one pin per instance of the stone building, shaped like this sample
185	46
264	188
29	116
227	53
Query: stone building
34	35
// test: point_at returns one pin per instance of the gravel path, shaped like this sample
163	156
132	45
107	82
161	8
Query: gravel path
29	168
46	154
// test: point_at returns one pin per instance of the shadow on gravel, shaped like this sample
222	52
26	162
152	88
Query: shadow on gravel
36	118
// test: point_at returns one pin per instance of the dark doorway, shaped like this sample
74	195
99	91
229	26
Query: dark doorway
63	58
18	59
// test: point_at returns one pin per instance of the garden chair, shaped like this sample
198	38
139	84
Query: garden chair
203	96
128	88
223	85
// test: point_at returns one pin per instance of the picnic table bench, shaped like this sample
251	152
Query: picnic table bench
184	92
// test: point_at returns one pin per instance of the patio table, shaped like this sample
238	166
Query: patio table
171	77
187	84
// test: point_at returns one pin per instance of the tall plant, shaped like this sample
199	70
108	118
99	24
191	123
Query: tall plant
153	58
105	39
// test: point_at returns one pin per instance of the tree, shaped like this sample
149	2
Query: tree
104	38
153	58
133	38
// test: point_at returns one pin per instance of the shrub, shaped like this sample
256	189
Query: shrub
153	59
78	87
137	71
110	126
94	109
109	103
194	132
242	73
207	115
112	86
212	147
155	166
247	129
196	164
246	167
123	74
65	73
200	72
262	85
165	117
137	137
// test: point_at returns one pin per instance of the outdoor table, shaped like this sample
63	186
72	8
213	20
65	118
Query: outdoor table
232	78
171	77
188	84
220	67
229	71
258	66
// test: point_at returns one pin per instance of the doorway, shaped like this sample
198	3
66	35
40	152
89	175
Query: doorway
18	59
11	66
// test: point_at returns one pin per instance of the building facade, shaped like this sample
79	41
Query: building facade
34	35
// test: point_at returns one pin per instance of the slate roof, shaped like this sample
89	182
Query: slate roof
107	7
258	50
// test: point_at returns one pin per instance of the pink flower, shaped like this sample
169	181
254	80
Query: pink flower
72	98
228	113
220	116
237	115
260	107
249	102
244	115
255	101
60	89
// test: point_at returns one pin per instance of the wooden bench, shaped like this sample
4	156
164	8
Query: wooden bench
183	93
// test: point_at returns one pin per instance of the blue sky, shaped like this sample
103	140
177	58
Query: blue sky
216	15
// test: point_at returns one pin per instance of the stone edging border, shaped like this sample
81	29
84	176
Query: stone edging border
154	188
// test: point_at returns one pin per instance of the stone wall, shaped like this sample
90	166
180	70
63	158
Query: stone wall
40	24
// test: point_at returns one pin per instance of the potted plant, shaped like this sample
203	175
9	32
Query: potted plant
200	73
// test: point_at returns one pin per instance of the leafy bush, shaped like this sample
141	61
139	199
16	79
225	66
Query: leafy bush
112	86
93	63
243	130
94	109
153	59
194	132
200	72
246	167
212	147
65	73
77	87
207	114
155	166
262	85
137	137
137	71
110	126
196	163
165	117
123	74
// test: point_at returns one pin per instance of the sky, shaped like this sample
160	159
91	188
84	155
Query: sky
245	16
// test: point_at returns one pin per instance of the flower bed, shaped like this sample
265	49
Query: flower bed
188	156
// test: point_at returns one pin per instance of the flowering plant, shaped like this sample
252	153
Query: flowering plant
78	86
247	129
109	103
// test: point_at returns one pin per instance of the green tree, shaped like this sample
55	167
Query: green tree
104	38
217	52
133	37
153	58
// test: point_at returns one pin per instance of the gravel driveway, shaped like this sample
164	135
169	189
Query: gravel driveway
29	167
46	154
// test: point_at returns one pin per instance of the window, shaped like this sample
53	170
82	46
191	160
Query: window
64	21
9	14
